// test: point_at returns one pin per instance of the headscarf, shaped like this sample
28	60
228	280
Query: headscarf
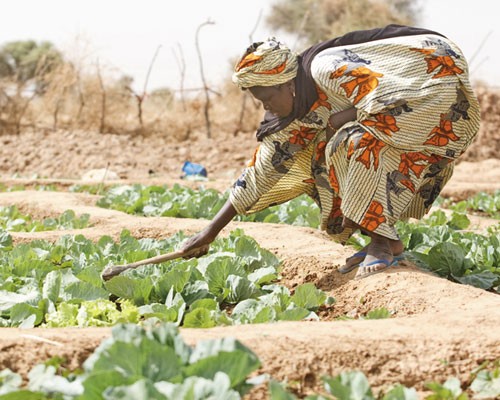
268	63
305	87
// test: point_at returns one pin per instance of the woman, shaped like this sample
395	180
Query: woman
369	125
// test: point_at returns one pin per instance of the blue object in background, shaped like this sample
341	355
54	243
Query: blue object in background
191	169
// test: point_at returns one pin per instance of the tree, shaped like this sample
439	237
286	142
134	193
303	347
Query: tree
24	61
317	20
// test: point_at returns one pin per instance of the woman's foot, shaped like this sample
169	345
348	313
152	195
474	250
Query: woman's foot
353	261
357	258
381	253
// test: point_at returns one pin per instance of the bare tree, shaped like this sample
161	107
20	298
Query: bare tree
181	63
81	97
102	124
139	97
205	86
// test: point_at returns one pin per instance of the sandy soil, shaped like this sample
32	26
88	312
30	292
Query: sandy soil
438	329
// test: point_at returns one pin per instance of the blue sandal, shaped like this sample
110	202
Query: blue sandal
387	264
348	268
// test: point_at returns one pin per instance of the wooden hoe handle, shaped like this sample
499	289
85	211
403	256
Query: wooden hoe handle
114	270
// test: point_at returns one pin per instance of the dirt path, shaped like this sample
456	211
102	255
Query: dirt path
438	329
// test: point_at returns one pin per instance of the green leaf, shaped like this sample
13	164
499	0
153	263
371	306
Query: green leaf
486	385
483	280
378	313
240	288
10	299
125	287
295	314
459	221
65	315
20	315
253	311
279	392
263	276
83	291
223	355
52	286
349	386
95	383
142	389
199	318
400	392
9	381
196	290
23	395
308	296
209	304
449	390
43	378
92	275
447	259
5	241
194	388
177	278
145	357
217	271
104	313
160	311
278	298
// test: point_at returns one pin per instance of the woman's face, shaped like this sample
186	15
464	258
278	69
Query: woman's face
276	99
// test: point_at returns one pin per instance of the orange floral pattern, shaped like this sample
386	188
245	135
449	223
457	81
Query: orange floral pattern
372	148
320	150
350	150
365	81
409	163
339	72
336	211
322	100
374	216
384	123
445	63
442	134
302	136
332	178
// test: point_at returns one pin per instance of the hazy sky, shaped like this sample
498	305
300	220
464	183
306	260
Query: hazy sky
124	34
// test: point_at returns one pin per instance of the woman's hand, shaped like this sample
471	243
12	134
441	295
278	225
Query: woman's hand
199	244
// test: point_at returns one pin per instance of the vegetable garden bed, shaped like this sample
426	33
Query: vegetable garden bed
430	332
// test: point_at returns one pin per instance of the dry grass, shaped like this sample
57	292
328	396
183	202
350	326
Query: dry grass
94	101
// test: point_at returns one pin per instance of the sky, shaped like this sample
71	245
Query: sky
122	36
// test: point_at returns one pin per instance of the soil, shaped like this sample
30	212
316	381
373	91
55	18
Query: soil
437	328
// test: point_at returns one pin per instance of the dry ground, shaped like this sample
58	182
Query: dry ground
438	328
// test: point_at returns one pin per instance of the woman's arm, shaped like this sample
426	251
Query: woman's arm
198	245
338	119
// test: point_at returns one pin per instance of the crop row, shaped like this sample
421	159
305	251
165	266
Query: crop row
438	243
59	284
12	220
155	363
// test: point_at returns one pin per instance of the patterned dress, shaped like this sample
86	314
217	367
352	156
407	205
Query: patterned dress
416	114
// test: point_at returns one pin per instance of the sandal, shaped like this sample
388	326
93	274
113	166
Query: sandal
348	268
387	263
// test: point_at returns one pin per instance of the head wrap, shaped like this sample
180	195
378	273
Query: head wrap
268	63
